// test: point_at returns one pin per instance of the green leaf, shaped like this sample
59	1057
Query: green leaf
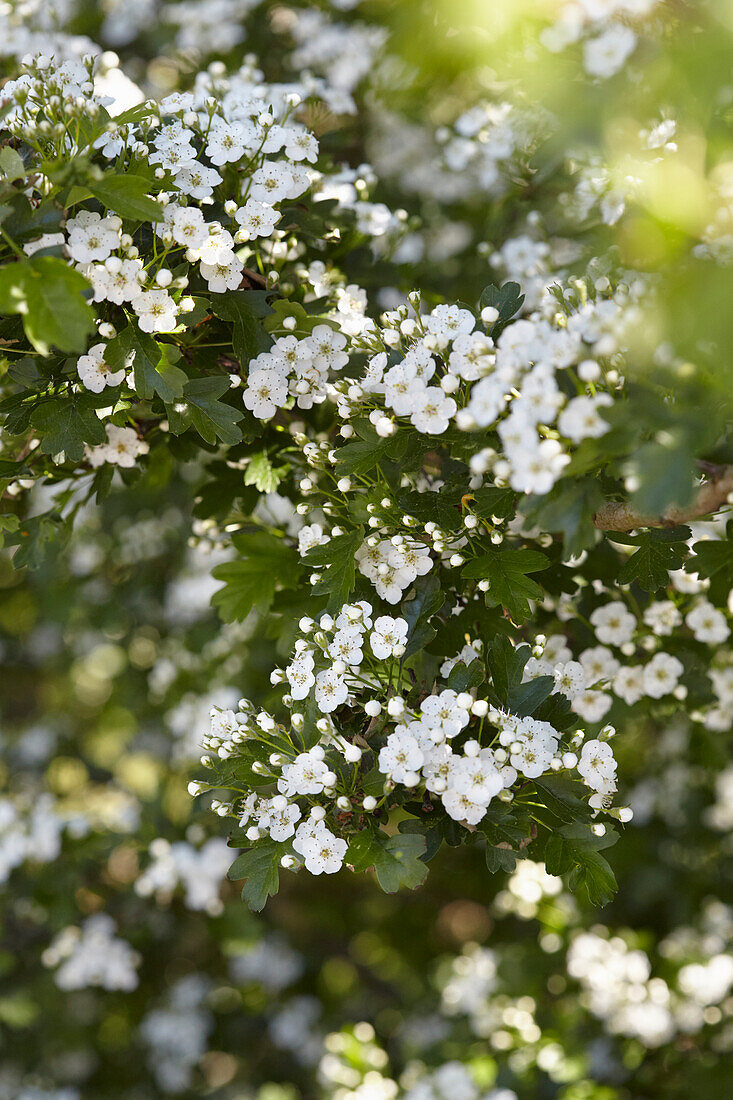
48	294
11	164
563	797
508	300
506	665
569	508
416	612
442	507
504	837
33	538
262	474
250	582
66	424
395	859
659	551
364	454
665	475
260	867
247	335
213	419
712	556
491	501
575	849
524	699
462	677
153	363
128	196
9	523
337	556
509	585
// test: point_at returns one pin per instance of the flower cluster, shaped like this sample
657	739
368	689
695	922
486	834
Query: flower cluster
453	745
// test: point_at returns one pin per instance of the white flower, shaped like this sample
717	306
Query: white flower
389	637
597	765
580	418
300	144
628	684
461	807
598	664
188	226
256	219
309	536
661	675
662	617
266	391
121	449
476	776
614	624
121	280
92	237
592	705
532	747
215	249
447	321
603	56
307	774
331	691
226	142
446	712
223	723
537	466
274	181
322	850
432	410
570	679
94	372
401	757
197	181
707	623
221	277
156	311
300	675
346	646
281	824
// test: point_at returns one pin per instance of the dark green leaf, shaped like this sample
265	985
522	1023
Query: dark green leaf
712	556
213	419
506	665
337	557
564	798
48	294
247	335
395	859
569	508
417	612
660	550
507	300
250	582
462	677
524	699
260	867
127	195
66	424
509	585
575	849
153	364
364	454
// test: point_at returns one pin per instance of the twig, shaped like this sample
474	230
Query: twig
710	497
